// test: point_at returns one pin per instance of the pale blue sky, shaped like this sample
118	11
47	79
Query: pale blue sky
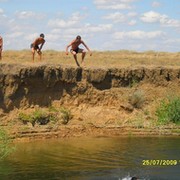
139	25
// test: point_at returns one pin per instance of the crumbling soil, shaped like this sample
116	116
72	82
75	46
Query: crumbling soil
102	101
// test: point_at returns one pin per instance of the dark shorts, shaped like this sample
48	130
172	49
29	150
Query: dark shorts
76	50
35	47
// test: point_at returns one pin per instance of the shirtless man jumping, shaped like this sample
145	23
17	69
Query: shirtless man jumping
35	46
75	49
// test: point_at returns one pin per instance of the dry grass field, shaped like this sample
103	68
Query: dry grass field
104	59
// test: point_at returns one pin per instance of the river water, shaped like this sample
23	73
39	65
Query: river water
116	158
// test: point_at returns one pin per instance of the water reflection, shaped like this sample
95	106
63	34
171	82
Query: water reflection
92	158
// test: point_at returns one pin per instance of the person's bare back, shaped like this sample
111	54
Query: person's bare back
39	41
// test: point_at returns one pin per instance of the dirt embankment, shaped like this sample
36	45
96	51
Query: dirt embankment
97	98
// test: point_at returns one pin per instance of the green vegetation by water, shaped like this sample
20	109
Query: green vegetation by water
169	111
5	144
43	116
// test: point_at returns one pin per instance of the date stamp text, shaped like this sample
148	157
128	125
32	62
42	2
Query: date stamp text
157	162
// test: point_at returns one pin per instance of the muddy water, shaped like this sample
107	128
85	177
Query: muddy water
93	158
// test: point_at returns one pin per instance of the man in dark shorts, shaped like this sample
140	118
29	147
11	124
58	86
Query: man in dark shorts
35	46
75	49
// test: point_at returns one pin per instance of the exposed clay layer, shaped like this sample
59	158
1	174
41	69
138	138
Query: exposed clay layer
97	98
26	86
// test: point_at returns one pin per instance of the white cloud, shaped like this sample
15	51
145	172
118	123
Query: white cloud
132	22
115	17
115	4
154	17
171	41
98	28
138	35
118	17
2	15
29	15
105	29
14	35
156	4
75	25
1	11
61	23
132	14
31	37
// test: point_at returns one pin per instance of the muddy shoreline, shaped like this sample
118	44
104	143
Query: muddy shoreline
79	131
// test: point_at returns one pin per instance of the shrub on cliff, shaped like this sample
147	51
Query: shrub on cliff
38	116
65	115
137	99
44	116
169	111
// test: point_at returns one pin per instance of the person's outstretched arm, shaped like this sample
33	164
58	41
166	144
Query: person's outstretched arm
41	46
67	47
87	48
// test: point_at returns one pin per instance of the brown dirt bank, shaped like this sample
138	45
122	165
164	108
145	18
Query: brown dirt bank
102	102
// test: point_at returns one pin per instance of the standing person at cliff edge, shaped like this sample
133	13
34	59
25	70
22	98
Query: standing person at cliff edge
1	47
75	49
35	46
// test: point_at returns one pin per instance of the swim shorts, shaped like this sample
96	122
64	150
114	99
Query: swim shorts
76	50
34	46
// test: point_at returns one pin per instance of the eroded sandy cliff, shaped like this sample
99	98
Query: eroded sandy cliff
41	85
95	96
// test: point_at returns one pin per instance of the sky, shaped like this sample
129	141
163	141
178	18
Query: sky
137	25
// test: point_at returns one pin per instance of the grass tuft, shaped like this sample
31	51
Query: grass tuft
137	99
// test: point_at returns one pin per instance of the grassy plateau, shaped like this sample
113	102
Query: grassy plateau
121	58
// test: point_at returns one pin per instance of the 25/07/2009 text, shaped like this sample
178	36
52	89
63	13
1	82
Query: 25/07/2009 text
157	162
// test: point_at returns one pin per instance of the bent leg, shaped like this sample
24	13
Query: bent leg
75	57
33	53
40	54
83	56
